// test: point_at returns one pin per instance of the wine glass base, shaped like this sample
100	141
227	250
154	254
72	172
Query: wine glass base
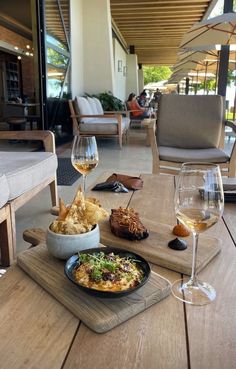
201	293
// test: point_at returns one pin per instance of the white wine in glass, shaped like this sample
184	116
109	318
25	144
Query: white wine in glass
84	155
199	203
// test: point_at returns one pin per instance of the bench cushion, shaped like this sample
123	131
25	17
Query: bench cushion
26	170
4	192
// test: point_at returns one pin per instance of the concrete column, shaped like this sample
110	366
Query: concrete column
140	80
132	74
77	54
98	67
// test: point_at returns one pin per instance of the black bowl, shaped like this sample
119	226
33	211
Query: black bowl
74	261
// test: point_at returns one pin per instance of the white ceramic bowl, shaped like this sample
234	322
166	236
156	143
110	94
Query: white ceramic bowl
63	246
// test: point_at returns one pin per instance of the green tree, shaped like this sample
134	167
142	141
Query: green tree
55	58
209	86
211	82
155	74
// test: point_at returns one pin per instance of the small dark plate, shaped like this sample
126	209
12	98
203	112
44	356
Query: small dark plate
74	261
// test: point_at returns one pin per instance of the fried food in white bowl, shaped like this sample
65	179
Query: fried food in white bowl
76	227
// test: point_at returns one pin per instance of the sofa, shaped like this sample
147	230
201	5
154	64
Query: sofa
89	118
22	176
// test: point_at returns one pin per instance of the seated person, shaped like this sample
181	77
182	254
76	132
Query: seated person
137	110
142	99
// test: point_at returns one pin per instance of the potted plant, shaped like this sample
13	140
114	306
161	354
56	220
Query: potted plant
110	102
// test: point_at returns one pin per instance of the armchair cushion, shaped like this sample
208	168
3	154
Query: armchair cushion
4	192
99	106
26	170
93	105
84	107
104	125
177	155
190	121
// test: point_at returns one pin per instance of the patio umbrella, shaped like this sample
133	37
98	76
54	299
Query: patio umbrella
187	65
218	30
196	55
176	77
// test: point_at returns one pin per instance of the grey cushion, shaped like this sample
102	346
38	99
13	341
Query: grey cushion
104	125
26	170
182	155
190	121
4	190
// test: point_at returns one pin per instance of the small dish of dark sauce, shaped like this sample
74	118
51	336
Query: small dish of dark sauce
177	244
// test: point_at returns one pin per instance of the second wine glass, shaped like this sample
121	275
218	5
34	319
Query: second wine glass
199	203
84	156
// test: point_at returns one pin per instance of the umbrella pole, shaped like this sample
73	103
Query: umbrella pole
196	83
234	104
234	88
205	77
217	73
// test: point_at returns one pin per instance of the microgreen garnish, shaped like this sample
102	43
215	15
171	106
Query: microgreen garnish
110	267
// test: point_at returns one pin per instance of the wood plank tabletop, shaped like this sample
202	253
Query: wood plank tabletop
229	217
38	332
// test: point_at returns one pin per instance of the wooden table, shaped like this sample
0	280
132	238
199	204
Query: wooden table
27	111
149	124
38	332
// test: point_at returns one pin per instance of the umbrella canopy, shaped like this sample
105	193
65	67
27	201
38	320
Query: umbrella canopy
218	30
197	55
210	65
187	65
200	75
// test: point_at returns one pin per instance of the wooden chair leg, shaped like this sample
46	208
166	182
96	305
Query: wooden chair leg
6	239
120	141
54	193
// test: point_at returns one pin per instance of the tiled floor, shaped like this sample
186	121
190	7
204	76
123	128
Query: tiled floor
135	157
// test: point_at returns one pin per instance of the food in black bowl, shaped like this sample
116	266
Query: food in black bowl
107	272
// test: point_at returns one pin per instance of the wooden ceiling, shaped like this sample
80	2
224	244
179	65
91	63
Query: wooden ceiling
57	20
155	28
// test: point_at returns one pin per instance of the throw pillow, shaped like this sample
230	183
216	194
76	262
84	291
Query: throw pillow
93	105
99	106
84	107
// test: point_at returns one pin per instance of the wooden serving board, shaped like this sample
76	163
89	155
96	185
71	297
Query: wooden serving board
155	248
99	314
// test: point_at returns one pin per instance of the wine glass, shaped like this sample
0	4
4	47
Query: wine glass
199	203
84	155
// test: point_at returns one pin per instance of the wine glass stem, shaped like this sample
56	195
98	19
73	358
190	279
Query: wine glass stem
193	278
84	183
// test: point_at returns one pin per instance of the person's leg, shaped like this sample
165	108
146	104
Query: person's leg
144	115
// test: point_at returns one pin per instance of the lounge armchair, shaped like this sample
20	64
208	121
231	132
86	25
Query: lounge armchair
191	128
23	175
89	119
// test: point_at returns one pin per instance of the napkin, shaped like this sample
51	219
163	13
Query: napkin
110	186
132	183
